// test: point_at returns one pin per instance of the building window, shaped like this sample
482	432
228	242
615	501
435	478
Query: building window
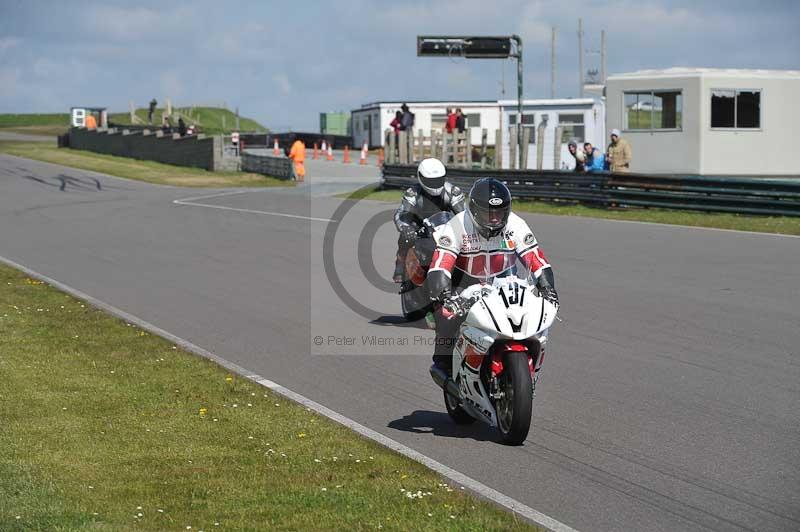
653	110
528	122
473	120
438	121
739	109
573	127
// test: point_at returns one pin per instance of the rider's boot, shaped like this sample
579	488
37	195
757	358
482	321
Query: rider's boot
399	269
444	363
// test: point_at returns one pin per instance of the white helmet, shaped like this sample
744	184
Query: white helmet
430	174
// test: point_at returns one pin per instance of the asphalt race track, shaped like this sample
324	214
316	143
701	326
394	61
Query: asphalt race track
670	398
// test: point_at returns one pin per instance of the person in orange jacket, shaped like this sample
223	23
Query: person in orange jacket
91	121
298	155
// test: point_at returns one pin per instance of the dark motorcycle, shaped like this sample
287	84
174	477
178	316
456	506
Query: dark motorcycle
414	298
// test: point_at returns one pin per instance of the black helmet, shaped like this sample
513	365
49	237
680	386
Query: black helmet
489	206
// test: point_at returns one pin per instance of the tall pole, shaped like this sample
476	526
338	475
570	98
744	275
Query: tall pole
518	40
553	65
603	57
580	56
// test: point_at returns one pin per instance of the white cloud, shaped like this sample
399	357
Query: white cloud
139	23
282	80
7	43
172	85
9	80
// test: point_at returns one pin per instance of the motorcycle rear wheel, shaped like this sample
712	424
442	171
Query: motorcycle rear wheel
456	412
514	408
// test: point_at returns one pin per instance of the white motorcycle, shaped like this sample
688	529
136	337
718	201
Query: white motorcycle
498	355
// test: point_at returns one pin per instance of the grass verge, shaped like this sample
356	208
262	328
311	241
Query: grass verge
762	224
149	171
34	119
106	427
44	131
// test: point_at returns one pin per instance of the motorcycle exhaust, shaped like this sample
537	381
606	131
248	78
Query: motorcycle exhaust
444	382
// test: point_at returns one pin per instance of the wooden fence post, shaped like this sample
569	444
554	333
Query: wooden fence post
557	147
540	134
484	138
402	140
512	147
526	141
465	148
391	155
498	148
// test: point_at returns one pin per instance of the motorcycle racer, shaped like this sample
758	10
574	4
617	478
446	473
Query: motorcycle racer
430	195
477	245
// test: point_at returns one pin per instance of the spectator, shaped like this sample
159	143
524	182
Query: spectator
407	120
151	110
91	121
397	123
181	127
191	130
595	161
578	155
298	155
166	126
619	153
450	124
461	122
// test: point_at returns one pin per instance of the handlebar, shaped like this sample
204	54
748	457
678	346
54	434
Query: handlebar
458	305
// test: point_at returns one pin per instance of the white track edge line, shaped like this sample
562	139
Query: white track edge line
473	485
249	211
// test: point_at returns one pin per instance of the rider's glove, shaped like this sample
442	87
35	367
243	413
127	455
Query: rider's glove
455	304
409	233
549	293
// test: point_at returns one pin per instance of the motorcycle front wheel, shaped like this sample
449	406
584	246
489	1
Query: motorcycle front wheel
514	407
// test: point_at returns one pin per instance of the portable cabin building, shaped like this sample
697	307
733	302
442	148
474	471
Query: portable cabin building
581	119
371	121
707	121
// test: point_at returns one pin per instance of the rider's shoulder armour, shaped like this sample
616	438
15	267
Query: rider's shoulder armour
410	195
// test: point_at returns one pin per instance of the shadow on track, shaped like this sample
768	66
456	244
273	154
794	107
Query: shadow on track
440	424
391	320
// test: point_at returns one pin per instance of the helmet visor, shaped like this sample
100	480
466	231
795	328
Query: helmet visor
433	183
492	217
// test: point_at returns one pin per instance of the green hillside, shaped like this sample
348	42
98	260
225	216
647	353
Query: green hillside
23	120
211	120
50	124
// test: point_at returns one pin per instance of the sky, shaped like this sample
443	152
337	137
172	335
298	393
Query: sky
284	62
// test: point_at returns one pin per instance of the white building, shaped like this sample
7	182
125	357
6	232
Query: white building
708	121
371	121
583	120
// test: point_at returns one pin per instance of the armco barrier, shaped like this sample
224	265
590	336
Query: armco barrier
703	193
275	166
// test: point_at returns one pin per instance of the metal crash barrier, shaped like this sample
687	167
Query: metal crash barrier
748	195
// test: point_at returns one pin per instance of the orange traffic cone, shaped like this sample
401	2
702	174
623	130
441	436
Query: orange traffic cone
380	158
330	153
346	158
276	150
363	159
316	155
